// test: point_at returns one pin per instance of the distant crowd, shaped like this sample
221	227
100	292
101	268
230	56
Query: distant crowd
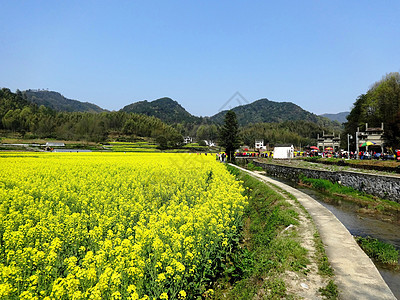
326	154
255	154
353	155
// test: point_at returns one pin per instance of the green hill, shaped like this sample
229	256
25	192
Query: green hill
22	118
266	111
260	111
58	102
166	109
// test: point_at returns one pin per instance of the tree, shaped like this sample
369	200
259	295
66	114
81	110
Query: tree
381	104
230	134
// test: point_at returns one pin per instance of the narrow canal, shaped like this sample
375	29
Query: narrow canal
359	224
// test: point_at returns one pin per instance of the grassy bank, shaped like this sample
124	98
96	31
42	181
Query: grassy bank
380	251
264	253
369	204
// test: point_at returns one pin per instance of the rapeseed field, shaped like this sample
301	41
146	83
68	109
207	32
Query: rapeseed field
114	225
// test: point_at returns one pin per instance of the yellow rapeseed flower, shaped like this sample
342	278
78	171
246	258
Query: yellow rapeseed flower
87	225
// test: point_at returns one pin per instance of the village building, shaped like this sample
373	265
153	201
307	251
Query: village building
187	140
54	144
328	142
259	145
285	151
371	138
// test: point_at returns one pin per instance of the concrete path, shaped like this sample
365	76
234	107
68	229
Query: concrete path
355	274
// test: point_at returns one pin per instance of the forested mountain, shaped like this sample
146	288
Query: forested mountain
166	109
381	104
49	114
261	111
340	117
58	102
171	112
272	121
18	115
266	111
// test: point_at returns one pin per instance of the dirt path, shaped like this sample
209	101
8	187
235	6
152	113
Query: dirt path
299	284
355	274
304	286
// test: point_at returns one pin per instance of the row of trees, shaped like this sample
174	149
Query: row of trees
294	132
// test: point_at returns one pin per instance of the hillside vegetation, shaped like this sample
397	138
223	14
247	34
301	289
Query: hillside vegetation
18	115
166	109
266	111
297	132
58	102
381	104
275	122
44	114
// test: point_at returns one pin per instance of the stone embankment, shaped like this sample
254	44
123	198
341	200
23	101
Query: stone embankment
383	186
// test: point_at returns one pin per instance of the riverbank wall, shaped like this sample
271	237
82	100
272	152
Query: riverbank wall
386	187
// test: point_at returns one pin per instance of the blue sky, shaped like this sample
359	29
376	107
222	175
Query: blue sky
319	55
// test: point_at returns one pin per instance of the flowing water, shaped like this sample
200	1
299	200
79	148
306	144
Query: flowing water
361	225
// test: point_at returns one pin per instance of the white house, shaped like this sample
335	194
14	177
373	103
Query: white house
54	144
259	144
283	152
187	140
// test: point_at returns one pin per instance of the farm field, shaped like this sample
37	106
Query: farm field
131	147
114	225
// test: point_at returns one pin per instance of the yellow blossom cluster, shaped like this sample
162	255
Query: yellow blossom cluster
113	225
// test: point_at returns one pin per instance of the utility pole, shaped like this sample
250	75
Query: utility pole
349	136
358	150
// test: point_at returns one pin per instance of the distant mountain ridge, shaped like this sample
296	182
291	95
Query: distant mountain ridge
171	112
58	102
340	117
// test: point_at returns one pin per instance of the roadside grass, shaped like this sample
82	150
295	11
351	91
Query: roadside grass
265	251
324	268
378	250
330	291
